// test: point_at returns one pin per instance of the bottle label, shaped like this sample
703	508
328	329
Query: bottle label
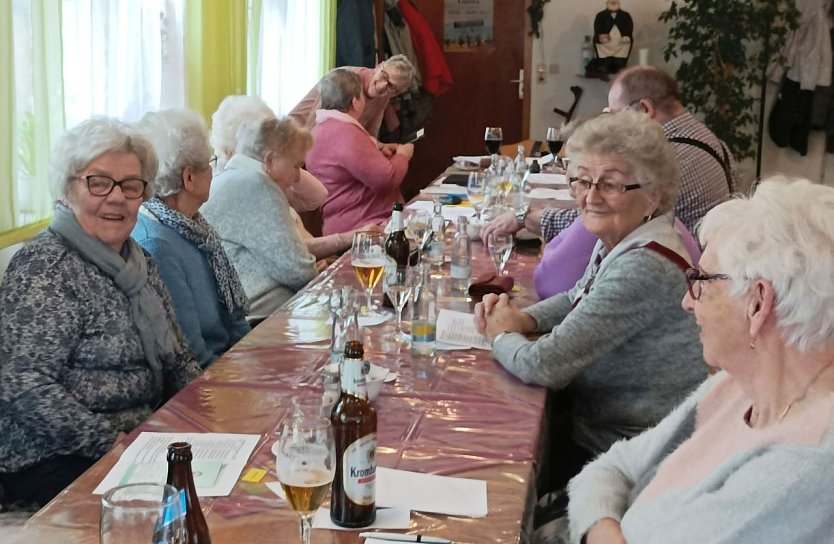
353	376
461	271
359	473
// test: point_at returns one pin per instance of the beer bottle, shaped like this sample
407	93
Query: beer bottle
397	250
353	496
181	477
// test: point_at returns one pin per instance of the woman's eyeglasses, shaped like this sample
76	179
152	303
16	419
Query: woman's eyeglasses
695	281
100	185
582	186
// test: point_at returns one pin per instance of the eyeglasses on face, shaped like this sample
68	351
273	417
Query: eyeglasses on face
100	185
213	162
695	281
607	188
385	78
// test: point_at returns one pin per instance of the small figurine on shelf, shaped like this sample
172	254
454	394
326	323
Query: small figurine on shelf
613	31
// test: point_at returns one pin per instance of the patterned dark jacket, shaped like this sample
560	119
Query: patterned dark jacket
72	368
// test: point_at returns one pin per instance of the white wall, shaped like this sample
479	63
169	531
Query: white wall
565	24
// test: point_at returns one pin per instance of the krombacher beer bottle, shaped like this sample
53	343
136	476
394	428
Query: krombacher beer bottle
353	497
181	477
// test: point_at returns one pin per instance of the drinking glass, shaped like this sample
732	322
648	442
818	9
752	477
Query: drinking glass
476	187
367	255
493	136
554	140
398	284
417	228
500	248
141	514
305	460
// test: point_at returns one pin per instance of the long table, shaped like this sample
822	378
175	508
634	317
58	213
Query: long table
459	414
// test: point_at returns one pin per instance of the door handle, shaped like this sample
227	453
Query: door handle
520	82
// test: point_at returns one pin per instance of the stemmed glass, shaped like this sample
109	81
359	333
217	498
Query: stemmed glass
476	187
500	246
305	460
367	255
399	285
554	140
493	136
418	229
141	513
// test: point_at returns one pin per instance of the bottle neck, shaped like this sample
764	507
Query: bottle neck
397	221
353	376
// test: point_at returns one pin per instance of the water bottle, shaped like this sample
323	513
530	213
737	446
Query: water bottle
461	257
437	248
423	315
520	163
587	52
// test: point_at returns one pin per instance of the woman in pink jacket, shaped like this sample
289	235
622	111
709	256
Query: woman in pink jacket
362	183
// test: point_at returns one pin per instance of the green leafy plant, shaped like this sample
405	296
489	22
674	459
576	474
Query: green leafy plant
724	47
26	144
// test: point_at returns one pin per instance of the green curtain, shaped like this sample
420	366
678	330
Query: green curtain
215	52
328	35
7	132
35	110
253	47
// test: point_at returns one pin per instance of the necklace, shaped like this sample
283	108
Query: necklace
786	410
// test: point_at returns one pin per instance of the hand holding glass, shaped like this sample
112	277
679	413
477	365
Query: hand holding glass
305	459
500	248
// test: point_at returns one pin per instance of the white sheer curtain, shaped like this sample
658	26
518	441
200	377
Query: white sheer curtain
67	60
285	50
122	59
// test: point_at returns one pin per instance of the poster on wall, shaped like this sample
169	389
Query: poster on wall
467	25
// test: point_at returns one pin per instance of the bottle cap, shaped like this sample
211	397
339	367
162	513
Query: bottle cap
354	349
398	206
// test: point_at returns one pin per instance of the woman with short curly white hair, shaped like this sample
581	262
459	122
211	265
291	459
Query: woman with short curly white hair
208	297
748	457
249	209
618	342
89	343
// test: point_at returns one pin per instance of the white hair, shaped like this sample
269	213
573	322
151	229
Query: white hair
783	233
89	140
179	137
228	121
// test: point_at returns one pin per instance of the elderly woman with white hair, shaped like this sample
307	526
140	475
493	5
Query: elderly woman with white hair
208	297
89	344
307	195
618	341
248	207
748	457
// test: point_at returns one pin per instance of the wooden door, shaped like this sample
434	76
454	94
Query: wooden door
482	94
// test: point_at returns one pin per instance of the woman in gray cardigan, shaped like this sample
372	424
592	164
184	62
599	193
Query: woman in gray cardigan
248	208
619	338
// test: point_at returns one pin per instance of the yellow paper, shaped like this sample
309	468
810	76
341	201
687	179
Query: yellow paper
254	475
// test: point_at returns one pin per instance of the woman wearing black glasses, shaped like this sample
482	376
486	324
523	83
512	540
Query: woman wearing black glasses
748	457
89	345
618	342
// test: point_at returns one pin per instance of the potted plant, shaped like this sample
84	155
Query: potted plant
724	47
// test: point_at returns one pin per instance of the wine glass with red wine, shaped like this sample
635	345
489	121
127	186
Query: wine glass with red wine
493	136
554	140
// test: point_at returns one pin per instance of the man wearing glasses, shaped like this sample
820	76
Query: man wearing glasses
388	79
705	163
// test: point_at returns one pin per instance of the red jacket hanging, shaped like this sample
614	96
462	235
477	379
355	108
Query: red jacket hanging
437	79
